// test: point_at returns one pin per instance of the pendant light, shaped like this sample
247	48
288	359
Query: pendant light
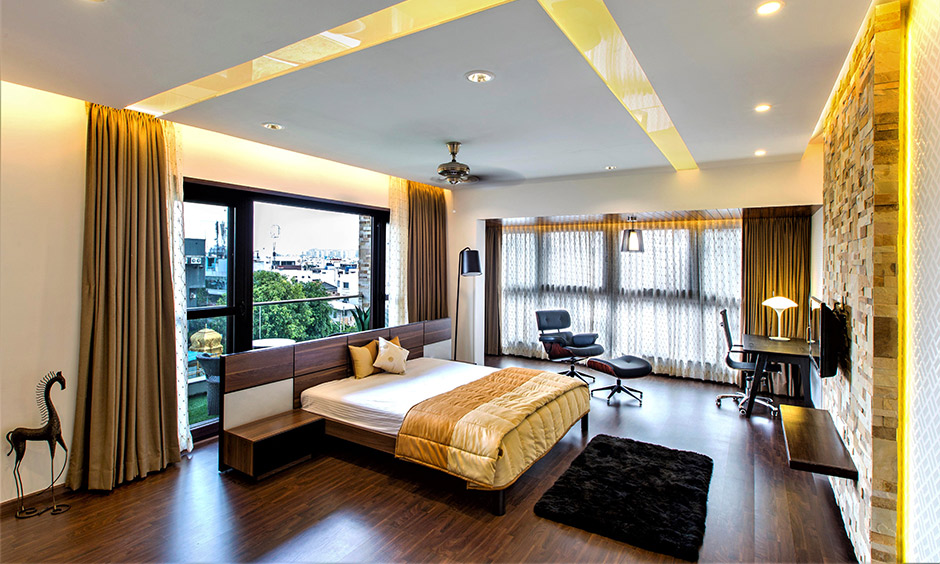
632	241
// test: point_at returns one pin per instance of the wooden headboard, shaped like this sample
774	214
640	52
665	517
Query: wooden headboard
314	362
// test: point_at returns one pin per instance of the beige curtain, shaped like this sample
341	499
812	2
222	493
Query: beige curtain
125	416
427	253
776	262
493	256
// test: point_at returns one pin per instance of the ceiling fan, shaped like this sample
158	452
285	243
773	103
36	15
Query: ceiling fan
455	172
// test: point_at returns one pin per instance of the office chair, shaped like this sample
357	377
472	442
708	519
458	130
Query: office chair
565	346
748	368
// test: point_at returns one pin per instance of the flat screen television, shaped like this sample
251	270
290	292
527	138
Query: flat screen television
823	338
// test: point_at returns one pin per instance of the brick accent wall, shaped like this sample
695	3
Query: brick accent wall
860	215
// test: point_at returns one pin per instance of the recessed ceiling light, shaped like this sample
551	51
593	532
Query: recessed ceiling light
768	8
762	108
479	76
610	167
272	125
760	153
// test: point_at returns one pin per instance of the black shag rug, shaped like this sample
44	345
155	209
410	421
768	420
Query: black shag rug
646	495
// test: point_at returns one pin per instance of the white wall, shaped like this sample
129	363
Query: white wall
42	188
921	412
213	156
755	184
816	254
42	202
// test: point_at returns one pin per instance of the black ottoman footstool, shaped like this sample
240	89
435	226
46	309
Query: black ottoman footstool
622	368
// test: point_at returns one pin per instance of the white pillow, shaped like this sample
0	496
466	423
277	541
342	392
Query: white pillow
391	357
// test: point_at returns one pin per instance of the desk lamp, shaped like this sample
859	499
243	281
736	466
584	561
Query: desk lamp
778	304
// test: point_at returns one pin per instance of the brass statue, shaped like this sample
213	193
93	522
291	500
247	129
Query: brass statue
50	432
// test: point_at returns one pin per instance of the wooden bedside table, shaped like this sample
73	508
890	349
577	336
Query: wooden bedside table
265	446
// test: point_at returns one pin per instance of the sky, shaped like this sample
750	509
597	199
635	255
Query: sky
301	229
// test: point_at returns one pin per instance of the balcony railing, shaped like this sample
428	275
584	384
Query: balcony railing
304	319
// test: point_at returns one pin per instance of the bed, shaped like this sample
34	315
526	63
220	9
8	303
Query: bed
481	424
379	402
484	425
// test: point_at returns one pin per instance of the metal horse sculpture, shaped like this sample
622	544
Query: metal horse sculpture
50	432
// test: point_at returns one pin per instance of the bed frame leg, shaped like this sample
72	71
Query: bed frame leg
584	424
499	502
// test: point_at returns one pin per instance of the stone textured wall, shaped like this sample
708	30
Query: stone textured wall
861	186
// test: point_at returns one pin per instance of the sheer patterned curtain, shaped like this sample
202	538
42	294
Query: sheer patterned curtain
661	304
397	279
178	258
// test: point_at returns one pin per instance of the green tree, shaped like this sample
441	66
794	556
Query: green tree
298	321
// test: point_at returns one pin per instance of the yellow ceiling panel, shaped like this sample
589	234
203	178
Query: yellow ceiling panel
396	21
594	32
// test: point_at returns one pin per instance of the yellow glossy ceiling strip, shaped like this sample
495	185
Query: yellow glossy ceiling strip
593	31
385	25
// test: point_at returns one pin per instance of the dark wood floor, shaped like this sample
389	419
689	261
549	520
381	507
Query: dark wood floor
351	504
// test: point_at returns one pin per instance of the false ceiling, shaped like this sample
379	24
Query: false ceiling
391	107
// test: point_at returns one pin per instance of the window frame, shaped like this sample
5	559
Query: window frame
240	201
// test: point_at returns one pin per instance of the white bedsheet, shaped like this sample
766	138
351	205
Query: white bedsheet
380	402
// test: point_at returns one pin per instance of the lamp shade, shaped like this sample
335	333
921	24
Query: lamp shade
470	263
632	241
779	303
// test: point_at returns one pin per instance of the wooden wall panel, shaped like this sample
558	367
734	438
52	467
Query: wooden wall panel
313	356
257	367
436	330
411	337
305	381
360	339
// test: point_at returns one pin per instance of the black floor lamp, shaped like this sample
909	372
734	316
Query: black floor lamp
469	265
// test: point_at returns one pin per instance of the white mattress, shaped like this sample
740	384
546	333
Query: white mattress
380	402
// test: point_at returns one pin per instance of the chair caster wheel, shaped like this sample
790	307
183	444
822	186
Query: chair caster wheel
742	410
717	403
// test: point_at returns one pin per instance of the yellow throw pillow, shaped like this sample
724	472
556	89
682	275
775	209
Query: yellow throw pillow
362	361
391	357
363	358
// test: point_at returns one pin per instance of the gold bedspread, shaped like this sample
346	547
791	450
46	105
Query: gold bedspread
490	431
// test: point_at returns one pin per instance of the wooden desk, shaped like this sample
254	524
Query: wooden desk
769	351
813	443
